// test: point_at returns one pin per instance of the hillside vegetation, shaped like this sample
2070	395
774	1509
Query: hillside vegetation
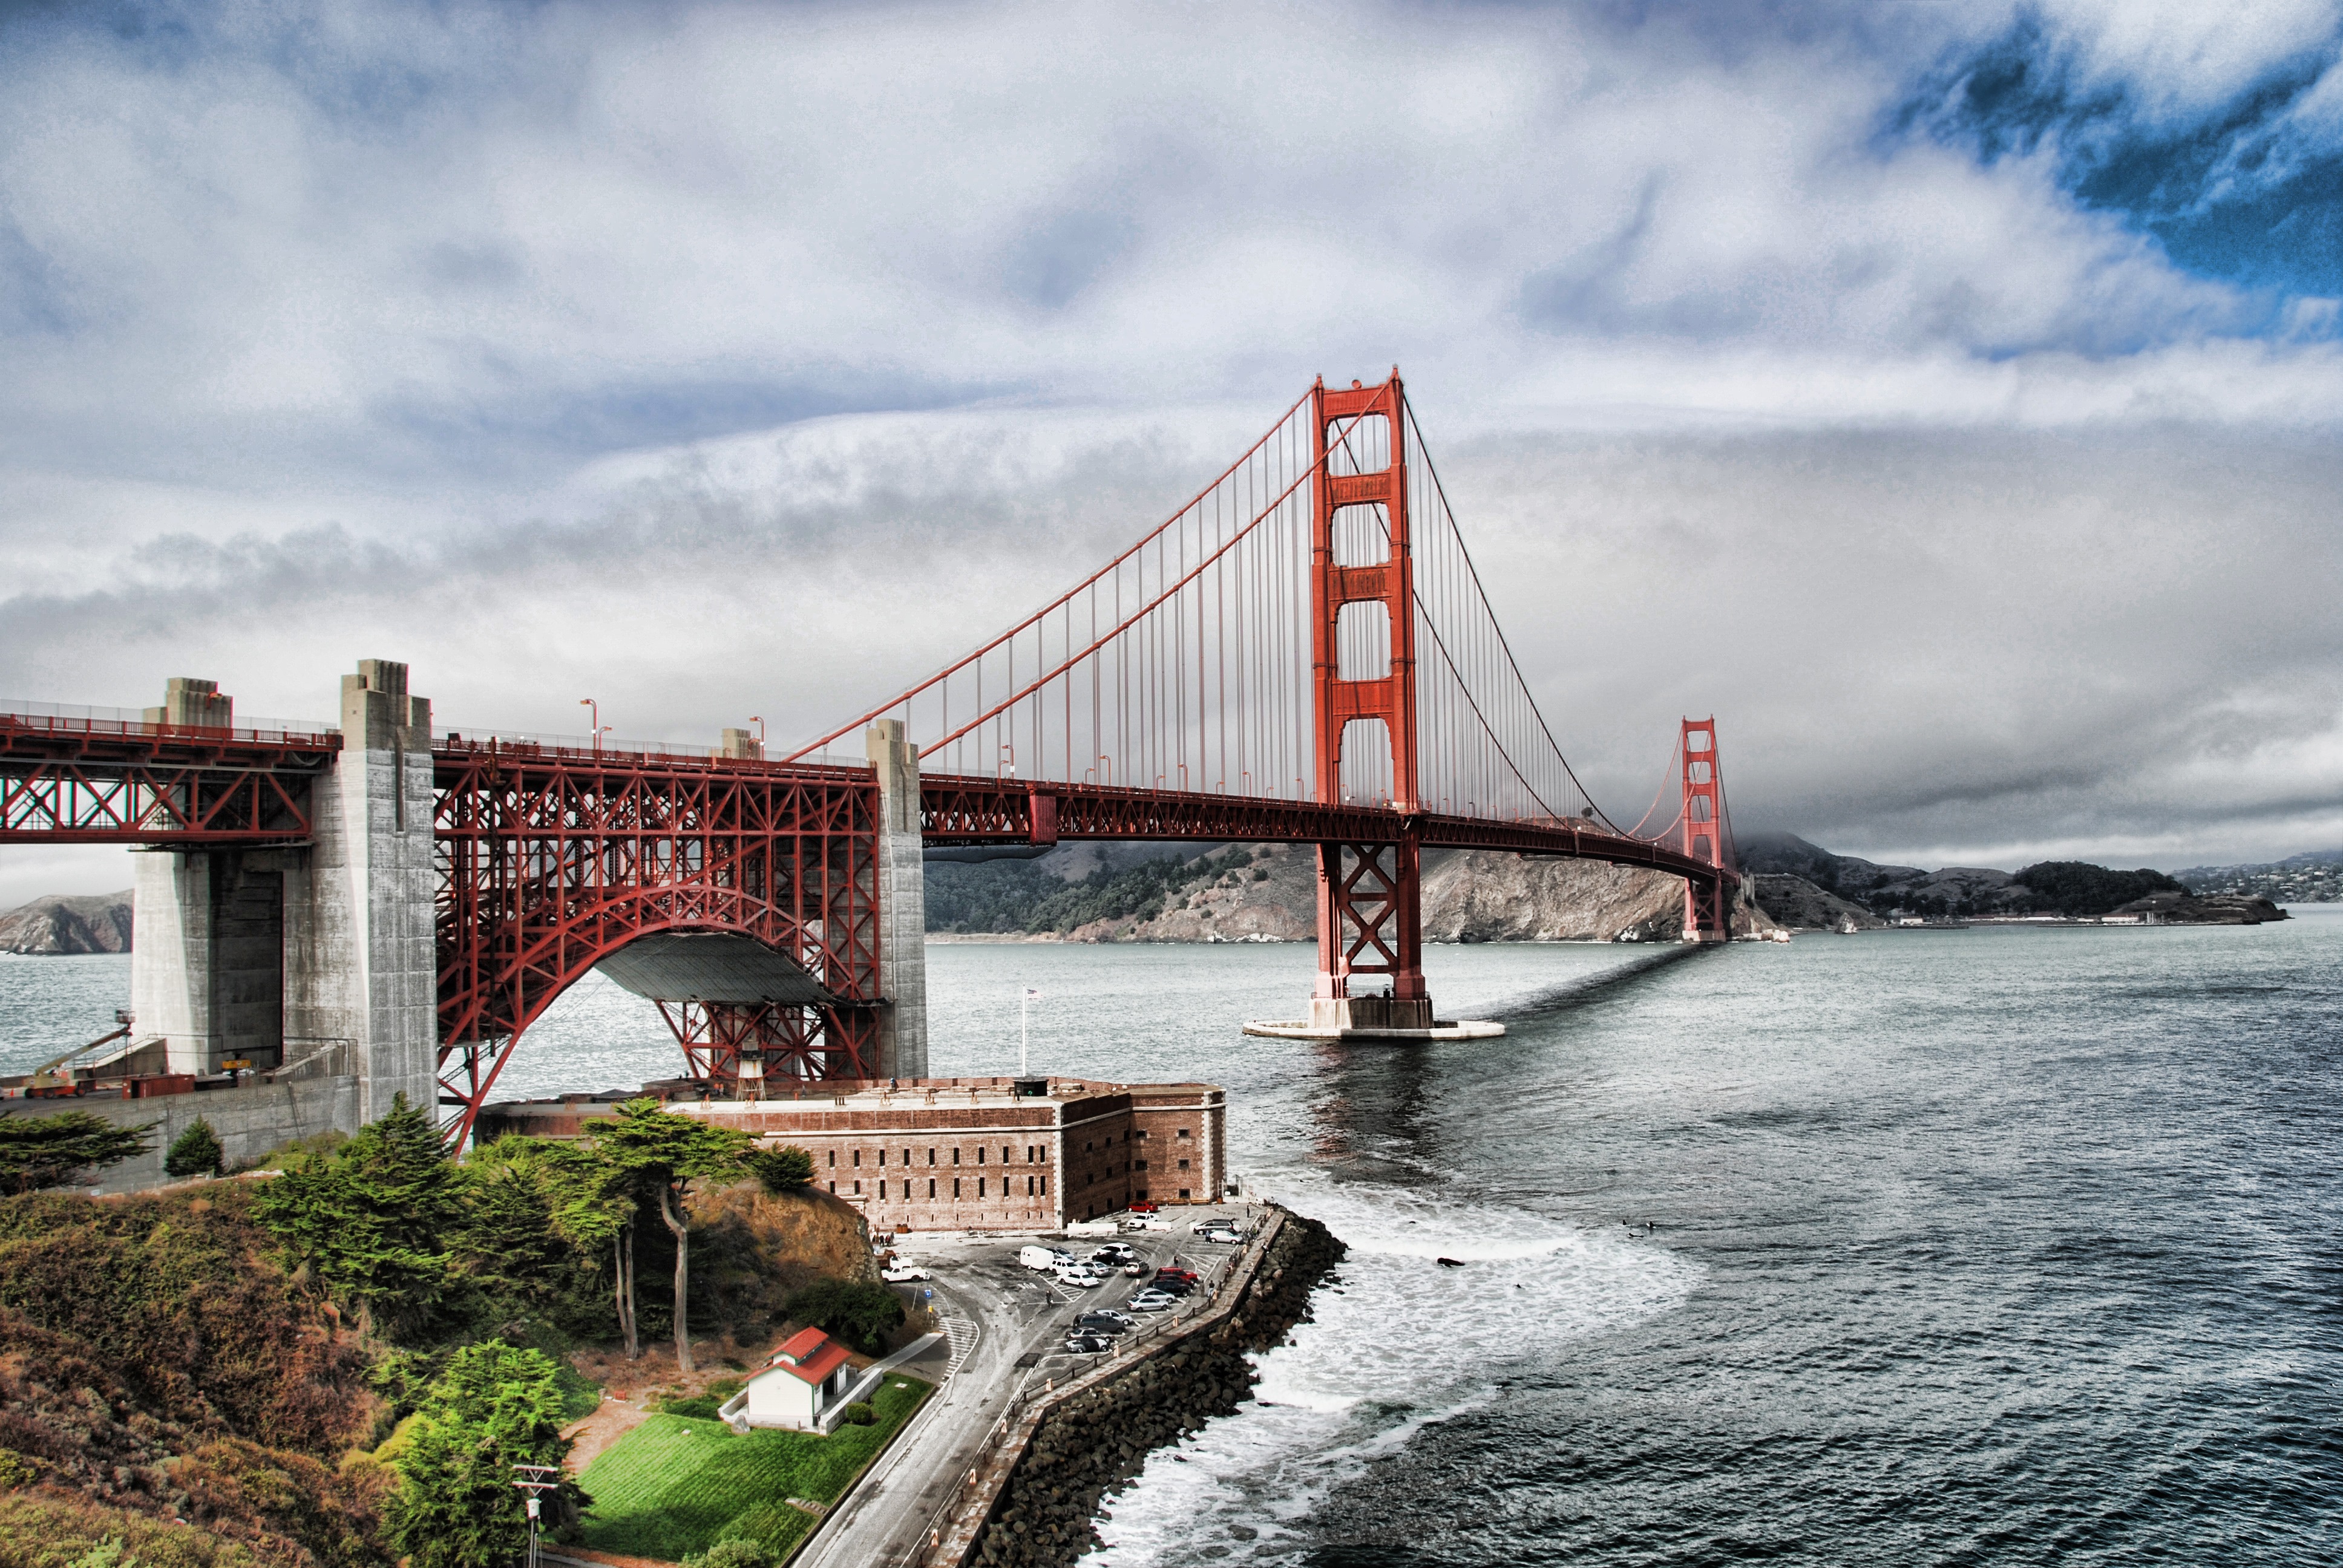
336	1366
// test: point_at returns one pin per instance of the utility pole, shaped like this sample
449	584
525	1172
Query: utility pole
533	1480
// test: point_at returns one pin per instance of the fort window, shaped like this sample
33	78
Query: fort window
980	1186
1004	1154
1183	1164
955	1186
1141	1165
931	1156
833	1160
833	1187
931	1186
1183	1192
858	1188
858	1160
980	1155
955	1156
882	1159
1183	1132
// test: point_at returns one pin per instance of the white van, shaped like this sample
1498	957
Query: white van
1039	1257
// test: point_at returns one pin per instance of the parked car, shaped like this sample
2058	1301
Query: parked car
1104	1315
903	1273
1115	1251
1088	1344
1102	1323
1142	1207
1224	1236
1151	1302
1173	1272
1135	1269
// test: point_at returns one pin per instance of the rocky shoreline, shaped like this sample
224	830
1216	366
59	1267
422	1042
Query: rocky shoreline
1097	1441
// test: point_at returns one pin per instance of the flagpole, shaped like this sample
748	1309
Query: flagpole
1024	1027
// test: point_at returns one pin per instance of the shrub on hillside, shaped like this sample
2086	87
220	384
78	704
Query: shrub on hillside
783	1170
51	1150
174	1295
862	1315
195	1152
859	1414
734	1554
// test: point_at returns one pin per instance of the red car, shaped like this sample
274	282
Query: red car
1185	1276
1142	1207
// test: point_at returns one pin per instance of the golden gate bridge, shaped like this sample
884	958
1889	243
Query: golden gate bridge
1304	653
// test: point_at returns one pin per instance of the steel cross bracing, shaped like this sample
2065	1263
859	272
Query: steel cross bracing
551	860
99	781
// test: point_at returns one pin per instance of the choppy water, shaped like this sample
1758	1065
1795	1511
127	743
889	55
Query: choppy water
2004	1246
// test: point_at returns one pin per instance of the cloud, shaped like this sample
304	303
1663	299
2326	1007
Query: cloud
713	360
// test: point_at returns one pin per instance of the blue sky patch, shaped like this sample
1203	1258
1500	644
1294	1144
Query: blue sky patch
2245	192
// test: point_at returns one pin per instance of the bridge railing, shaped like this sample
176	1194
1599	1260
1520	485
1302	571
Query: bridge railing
69	718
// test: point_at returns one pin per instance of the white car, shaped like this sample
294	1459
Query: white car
1227	1238
1149	1302
903	1273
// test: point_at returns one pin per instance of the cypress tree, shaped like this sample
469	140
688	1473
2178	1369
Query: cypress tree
195	1152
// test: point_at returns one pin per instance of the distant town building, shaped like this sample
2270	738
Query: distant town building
966	1154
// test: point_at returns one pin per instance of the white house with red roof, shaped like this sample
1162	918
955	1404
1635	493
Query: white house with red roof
805	1377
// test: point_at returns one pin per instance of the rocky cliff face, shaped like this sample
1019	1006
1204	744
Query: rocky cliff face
55	924
1469	895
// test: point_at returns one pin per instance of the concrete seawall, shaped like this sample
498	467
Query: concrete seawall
249	1121
1032	1504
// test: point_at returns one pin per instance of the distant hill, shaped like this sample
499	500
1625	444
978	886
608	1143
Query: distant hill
63	924
2315	877
1796	880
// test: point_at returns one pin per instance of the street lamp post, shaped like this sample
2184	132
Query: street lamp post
594	712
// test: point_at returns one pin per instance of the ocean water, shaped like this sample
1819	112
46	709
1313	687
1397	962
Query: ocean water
1997	1246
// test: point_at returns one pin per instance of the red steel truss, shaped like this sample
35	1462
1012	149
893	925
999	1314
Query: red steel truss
552	859
102	781
744	1048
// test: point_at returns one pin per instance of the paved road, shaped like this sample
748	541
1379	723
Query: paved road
1007	1311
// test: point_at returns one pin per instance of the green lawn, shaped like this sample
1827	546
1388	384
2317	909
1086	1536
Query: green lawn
677	1484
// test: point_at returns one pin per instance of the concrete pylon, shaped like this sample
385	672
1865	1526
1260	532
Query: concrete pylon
903	905
208	931
361	972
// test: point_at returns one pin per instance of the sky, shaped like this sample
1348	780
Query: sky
1946	397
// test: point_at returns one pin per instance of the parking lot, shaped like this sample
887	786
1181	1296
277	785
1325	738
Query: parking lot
980	1276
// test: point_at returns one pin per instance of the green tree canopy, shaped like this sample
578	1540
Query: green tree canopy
662	1153
493	1408
195	1152
49	1149
375	1221
783	1170
2077	888
862	1315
